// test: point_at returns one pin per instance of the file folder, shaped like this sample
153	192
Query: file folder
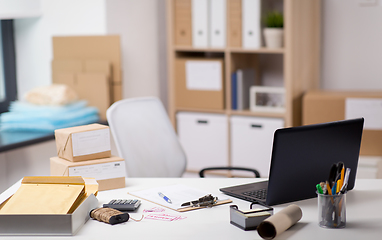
251	10
217	30
182	17
235	23
200	23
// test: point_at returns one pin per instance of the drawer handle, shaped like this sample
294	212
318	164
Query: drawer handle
256	126
203	121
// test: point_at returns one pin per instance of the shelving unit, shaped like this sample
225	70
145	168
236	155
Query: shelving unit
298	61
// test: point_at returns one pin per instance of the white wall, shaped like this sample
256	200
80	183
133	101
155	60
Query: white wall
141	25
135	22
351	45
33	36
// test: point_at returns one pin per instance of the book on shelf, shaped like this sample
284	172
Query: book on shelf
234	90
245	78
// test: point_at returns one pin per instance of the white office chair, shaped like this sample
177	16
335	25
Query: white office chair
145	138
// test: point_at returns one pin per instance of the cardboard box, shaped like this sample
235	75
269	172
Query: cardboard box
90	79
82	143
202	95
95	88
90	54
45	224
87	48
48	224
110	172
327	106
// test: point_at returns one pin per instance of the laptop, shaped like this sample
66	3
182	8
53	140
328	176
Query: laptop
302	158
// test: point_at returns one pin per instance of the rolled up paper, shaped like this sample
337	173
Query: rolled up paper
279	222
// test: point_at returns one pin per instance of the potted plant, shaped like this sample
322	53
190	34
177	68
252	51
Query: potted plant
274	31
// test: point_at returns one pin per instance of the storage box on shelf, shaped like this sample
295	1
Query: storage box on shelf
295	67
204	138
251	142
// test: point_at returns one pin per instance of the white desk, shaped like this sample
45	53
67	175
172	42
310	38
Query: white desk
364	215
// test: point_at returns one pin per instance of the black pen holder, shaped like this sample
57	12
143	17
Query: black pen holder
332	210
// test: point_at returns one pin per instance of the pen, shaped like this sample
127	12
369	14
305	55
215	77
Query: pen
319	189
346	179
342	175
164	197
328	188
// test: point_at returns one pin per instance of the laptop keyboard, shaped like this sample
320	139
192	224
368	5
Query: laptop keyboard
258	194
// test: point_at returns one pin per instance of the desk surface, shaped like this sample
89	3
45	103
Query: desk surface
364	215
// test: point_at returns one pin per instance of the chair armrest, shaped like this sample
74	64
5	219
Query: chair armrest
201	172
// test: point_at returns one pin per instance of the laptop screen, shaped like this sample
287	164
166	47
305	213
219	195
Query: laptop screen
302	157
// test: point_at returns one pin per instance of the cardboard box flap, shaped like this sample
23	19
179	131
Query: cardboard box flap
98	66
54	180
67	66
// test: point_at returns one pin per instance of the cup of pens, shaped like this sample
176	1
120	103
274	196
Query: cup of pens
332	198
332	210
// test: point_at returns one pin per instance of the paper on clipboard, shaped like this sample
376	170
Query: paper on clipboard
204	75
178	194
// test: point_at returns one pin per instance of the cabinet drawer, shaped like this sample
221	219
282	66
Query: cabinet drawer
252	140
204	138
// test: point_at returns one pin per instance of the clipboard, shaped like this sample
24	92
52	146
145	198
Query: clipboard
178	194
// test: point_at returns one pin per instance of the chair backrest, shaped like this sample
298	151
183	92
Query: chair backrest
145	138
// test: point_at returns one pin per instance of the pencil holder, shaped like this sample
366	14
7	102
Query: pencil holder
332	210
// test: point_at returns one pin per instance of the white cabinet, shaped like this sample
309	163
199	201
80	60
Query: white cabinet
204	138
252	141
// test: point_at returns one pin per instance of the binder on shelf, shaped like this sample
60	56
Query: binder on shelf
235	23
199	23
245	78
234	90
251	15
182	23
217	30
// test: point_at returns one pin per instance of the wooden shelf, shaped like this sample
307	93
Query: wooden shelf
296	66
201	110
192	49
229	49
260	50
256	114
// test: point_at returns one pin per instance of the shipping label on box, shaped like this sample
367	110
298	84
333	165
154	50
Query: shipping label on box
327	106
82	143
368	108
91	142
100	171
109	172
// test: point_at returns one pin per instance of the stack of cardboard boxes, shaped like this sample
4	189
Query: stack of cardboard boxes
90	65
86	151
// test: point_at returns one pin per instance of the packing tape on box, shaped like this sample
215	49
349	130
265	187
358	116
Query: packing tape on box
279	222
